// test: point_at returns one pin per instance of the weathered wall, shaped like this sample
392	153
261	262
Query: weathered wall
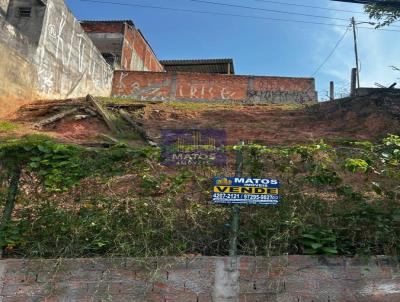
202	279
3	7
69	63
368	91
211	87
31	26
18	76
63	63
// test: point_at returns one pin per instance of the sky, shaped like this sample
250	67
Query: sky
260	46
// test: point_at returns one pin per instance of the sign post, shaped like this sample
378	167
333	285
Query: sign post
236	208
239	190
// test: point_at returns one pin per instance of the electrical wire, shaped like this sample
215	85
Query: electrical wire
310	6
331	53
266	10
227	14
273	10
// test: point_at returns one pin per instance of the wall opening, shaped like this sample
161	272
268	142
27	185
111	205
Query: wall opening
110	58
24	12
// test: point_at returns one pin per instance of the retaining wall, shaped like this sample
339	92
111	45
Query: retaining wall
202	279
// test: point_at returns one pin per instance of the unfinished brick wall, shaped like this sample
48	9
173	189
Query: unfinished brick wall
213	87
126	42
202	279
137	53
102	27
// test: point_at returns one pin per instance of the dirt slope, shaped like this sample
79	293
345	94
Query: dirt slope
358	118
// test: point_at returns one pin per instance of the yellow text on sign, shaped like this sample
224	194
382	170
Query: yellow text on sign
246	190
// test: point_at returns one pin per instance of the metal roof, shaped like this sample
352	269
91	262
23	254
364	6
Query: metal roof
219	66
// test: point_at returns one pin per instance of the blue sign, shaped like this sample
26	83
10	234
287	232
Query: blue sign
248	191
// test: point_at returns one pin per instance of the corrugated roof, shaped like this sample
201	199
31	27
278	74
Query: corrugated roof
220	66
108	21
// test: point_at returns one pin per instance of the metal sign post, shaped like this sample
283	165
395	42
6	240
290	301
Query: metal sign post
236	208
238	190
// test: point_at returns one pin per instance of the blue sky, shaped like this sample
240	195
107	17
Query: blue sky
261	47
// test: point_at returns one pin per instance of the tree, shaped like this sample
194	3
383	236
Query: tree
384	14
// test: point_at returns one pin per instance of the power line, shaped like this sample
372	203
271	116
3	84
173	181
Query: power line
310	6
227	14
272	10
267	10
331	53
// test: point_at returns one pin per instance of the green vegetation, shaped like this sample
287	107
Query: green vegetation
6	126
121	201
385	15
116	100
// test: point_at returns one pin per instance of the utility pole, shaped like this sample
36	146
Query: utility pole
353	81
353	23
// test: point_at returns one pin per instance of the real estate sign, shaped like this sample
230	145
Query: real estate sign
250	191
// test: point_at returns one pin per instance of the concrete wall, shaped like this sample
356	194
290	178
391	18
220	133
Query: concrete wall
62	63
202	279
18	75
69	63
31	26
212	87
3	7
368	91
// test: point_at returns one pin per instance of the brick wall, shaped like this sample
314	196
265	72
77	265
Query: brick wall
137	53
126	42
202	279
212	87
103	27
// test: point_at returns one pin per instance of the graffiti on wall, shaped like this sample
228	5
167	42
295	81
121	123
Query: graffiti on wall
154	91
264	96
145	93
168	86
67	57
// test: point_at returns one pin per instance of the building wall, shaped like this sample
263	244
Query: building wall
3	7
69	63
212	87
17	70
103	27
137	53
202	279
31	27
125	42
63	63
108	38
